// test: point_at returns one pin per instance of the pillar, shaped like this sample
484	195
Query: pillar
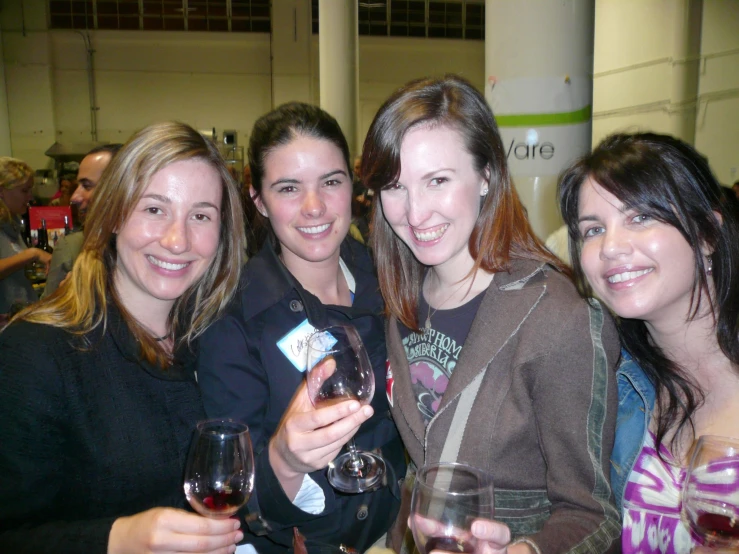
338	64
687	18
291	51
539	69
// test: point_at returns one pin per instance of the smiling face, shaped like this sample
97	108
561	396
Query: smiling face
17	198
434	205
640	267
171	237
306	194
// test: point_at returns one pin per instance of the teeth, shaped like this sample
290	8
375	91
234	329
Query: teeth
430	235
314	230
627	275
166	265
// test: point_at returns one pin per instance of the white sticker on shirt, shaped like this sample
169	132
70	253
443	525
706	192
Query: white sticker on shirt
293	345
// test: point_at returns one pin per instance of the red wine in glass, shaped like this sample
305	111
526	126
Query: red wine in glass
338	369
711	491
447	498
219	475
449	544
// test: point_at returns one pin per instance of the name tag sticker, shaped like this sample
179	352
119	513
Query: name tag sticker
293	345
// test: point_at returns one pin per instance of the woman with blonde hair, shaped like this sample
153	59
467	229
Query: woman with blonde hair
98	395
16	181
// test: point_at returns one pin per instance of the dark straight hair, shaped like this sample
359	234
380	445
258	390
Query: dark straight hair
501	231
279	127
667	179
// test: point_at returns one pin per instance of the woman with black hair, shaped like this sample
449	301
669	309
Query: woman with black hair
306	276
654	237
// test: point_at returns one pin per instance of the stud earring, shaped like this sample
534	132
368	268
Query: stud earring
484	192
709	268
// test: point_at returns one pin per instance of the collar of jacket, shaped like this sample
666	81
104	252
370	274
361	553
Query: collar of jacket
266	281
510	299
630	370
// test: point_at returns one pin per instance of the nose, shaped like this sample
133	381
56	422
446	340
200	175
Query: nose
176	237
76	197
615	243
417	208
313	204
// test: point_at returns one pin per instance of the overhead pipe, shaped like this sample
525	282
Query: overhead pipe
91	85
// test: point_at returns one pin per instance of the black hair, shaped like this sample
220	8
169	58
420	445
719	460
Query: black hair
111	149
669	180
279	127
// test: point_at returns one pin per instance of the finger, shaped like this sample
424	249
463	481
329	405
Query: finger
326	415
492	531
207	543
186	523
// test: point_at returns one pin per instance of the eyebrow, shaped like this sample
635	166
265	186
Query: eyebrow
435	171
166	200
288	181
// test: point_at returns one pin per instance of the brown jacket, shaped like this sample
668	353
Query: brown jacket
533	400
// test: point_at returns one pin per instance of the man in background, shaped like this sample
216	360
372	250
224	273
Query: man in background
68	248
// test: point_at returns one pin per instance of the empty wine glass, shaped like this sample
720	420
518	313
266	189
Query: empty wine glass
219	476
711	491
339	369
447	499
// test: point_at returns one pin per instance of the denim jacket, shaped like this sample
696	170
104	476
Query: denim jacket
635	404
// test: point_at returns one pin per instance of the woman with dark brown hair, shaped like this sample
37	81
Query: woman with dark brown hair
494	360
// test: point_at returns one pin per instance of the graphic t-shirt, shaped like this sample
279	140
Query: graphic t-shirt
433	354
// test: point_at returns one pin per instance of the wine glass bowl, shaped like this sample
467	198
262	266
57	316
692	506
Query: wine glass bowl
711	491
219	476
447	498
338	369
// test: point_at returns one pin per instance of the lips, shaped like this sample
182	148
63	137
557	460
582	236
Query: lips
314	229
624	276
167	265
427	235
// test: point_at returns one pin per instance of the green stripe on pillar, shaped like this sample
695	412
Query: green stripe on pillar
541	119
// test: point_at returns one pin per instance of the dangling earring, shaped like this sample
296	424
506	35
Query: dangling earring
484	192
709	268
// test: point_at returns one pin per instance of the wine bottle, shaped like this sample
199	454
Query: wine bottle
43	238
67	230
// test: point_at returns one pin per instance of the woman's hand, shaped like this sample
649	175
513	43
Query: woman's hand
167	530
308	438
41	256
492	537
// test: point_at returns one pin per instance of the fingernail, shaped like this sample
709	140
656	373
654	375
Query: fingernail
239	536
367	411
478	528
237	524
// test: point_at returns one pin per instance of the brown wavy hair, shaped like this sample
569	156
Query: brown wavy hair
80	304
502	231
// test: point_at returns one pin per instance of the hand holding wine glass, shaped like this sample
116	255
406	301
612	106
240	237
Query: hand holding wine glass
711	491
219	476
448	499
338	369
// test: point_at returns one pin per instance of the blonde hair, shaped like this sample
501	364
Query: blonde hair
80	304
13	173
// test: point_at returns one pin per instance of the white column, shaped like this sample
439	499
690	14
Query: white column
291	51
686	50
5	149
539	69
338	64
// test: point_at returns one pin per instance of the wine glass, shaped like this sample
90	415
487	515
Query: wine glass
447	498
711	491
219	475
339	369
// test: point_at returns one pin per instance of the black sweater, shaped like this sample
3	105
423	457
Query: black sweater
87	436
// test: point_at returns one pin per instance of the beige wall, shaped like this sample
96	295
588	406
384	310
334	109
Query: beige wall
223	80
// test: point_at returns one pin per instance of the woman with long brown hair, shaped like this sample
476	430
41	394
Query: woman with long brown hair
494	360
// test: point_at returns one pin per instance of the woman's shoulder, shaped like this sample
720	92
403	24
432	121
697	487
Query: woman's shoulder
36	337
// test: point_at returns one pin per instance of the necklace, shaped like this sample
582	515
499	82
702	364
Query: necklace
164	337
430	314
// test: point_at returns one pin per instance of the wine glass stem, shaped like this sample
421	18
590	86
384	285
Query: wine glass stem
355	464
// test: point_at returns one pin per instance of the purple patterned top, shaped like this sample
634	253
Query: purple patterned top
652	505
